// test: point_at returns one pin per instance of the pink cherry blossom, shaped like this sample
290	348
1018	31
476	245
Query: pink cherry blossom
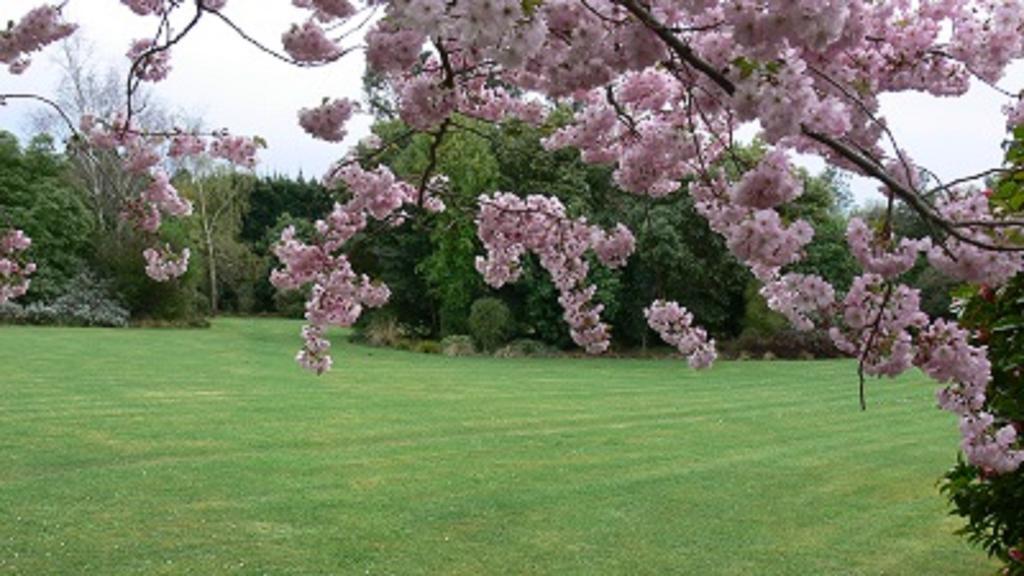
327	121
675	326
510	226
163	264
878	259
309	43
14	268
35	30
150	64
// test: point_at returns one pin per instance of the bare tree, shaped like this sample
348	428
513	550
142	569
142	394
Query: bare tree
84	89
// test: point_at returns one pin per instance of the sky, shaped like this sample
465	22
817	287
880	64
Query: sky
229	83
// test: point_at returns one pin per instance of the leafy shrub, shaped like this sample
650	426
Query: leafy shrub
786	344
88	301
490	323
458	345
290	304
11	313
991	504
525	348
183	323
427	347
404	344
384	330
758	317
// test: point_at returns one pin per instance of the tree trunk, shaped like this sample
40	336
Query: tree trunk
212	267
211	256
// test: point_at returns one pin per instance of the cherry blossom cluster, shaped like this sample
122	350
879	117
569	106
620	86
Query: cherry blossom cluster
969	262
338	295
37	29
989	38
14	269
308	43
146	7
1014	114
393	50
882	324
878	321
945	354
768	185
640	126
510	227
675	326
159	7
141	156
877	255
758	237
186	145
238	150
427	98
805	300
988	446
150	64
476	99
164	264
327	121
327	10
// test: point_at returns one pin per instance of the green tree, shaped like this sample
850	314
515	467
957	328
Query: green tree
37	197
221	198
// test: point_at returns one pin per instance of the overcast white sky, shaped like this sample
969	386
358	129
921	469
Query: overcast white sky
230	84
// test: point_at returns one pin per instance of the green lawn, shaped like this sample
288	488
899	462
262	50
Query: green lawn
211	452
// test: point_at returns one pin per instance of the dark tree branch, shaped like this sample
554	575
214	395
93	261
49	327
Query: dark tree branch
685	53
875	329
56	107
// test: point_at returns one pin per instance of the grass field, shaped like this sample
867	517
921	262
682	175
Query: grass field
211	452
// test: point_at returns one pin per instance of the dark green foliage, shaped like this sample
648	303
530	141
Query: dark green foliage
490	323
993	508
391	256
271	198
525	348
427	347
450	274
443	265
785	343
36	197
275	203
458	345
935	290
678	257
381	329
758	319
231	269
993	505
119	258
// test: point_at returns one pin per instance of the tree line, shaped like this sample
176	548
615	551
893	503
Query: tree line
75	220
